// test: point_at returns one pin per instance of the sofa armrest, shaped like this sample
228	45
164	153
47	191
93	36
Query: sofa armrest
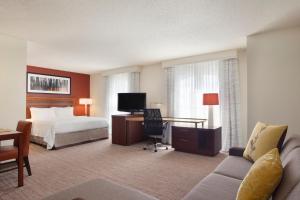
236	151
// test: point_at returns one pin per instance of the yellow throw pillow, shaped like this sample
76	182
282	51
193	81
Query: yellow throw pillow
262	178
263	138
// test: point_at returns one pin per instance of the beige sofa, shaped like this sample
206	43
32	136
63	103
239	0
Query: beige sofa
223	183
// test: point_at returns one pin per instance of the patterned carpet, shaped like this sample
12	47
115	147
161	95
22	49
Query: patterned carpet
165	174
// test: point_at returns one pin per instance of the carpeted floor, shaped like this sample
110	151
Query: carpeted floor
165	174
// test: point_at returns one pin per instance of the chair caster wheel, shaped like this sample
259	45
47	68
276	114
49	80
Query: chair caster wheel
155	150
145	148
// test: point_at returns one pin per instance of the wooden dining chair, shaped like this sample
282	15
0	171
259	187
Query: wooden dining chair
11	152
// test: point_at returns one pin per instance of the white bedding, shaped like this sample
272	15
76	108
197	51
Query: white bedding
48	129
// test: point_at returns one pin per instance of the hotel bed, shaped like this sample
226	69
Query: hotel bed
69	131
57	127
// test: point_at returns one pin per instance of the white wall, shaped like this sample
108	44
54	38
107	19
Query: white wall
12	81
97	84
152	82
274	78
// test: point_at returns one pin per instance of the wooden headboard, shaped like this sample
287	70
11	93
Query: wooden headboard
47	102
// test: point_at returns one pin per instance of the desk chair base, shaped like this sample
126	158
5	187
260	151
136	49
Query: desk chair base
153	142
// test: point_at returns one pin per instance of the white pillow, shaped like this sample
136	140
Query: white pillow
63	112
42	113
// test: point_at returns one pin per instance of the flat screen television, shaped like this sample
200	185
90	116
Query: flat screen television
131	102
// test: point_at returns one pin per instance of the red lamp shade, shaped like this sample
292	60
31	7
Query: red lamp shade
210	99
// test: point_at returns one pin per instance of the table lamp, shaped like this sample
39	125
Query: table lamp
85	102
210	99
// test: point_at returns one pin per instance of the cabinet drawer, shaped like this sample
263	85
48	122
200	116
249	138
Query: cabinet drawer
182	144
183	132
185	139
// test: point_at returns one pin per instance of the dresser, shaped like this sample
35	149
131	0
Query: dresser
204	141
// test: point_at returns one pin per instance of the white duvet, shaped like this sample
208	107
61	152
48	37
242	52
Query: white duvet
48	129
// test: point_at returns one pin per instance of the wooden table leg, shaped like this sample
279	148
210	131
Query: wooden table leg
20	161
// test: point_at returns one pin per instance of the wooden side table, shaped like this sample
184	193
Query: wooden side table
204	141
9	135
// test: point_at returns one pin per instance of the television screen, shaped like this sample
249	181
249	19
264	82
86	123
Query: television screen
131	102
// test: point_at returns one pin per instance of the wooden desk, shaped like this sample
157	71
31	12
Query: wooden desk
173	119
185	120
128	129
9	135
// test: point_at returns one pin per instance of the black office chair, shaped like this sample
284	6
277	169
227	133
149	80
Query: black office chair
154	128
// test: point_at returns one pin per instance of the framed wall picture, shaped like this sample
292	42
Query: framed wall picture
48	84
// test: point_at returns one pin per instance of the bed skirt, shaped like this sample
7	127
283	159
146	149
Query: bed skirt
74	138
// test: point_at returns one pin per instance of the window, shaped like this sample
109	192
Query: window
119	83
186	85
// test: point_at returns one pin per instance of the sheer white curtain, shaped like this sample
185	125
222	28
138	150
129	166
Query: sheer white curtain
230	104
119	83
185	87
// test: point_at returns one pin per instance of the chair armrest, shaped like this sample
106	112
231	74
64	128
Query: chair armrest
236	151
165	125
9	136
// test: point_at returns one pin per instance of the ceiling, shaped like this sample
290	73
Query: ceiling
93	35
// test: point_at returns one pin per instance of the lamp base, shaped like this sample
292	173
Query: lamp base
210	116
85	110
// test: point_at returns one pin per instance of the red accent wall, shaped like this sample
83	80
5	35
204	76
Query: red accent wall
80	86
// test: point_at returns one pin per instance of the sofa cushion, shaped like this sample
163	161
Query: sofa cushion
234	167
263	177
264	138
291	175
210	188
100	189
